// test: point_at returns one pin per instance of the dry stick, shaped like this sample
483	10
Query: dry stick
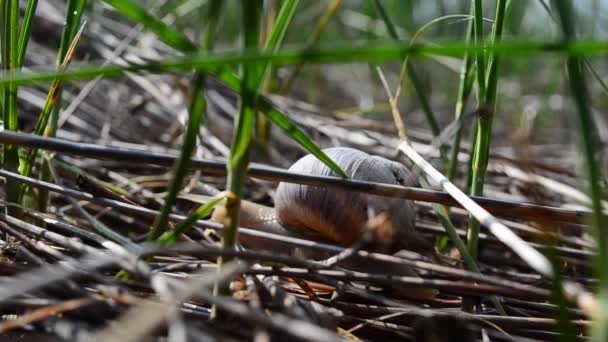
533	257
525	210
42	276
129	259
314	270
147	314
508	322
36	244
294	241
44	313
457	287
442	213
88	87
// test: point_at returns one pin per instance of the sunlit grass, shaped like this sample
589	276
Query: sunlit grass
244	68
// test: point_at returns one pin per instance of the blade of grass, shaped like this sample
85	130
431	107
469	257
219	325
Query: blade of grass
197	108
181	43
464	89
166	33
485	112
478	39
10	162
427	110
241	140
180	168
273	44
369	52
312	40
24	34
45	114
276	37
444	219
170	237
531	256
98	226
440	211
485	118
73	15
588	145
262	124
408	68
281	120
562	315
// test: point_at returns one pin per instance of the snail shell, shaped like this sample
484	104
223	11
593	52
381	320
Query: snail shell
341	216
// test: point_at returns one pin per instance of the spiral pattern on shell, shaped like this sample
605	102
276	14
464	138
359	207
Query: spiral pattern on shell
340	216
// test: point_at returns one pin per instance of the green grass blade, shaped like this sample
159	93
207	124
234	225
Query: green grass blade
450	229
312	40
241	139
485	118
392	31
170	237
198	105
98	226
167	34
588	143
10	20
408	68
273	44
485	112
596	75
497	28
45	114
197	108
370	52
464	89
427	110
479	56
411	72
72	22
24	34
563	315
283	122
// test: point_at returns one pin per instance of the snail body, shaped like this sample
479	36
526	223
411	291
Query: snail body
329	215
340	217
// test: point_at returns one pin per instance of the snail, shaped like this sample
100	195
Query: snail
339	217
333	216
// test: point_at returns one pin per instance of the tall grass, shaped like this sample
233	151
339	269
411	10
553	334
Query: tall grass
486	92
74	11
10	62
198	104
578	87
482	57
241	139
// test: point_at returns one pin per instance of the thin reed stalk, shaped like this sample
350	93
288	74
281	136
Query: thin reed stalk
10	63
241	139
578	87
73	14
